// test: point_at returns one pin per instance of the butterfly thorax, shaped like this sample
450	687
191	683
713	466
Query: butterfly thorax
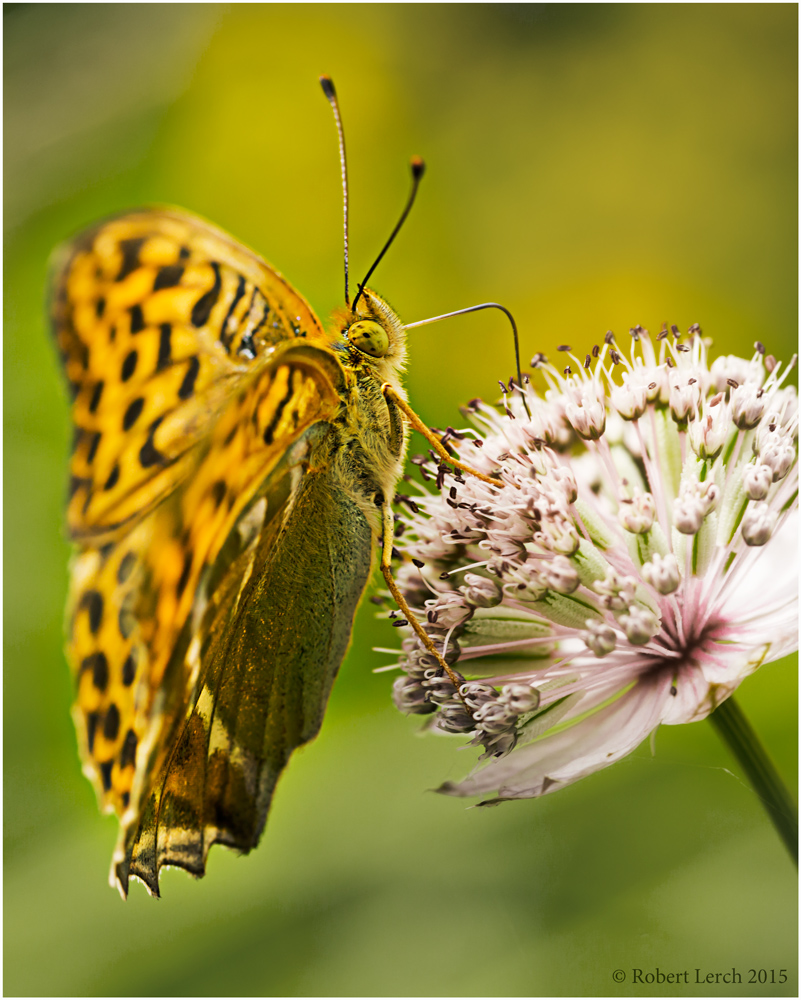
368	446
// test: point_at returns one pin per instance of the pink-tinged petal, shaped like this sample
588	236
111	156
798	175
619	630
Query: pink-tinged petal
770	578
594	743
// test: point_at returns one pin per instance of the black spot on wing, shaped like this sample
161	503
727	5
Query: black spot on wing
97	664
97	392
165	347
133	413
90	455
137	319
226	335
105	774
128	752
149	455
188	384
270	428
168	277
91	728
126	567
202	308
129	668
113	478
130	257
92	603
218	491
111	723
129	365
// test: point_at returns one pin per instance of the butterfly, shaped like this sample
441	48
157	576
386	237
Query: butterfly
232	470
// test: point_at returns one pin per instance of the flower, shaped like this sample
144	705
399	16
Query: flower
630	569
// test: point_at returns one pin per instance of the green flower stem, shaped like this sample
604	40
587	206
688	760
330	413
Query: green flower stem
744	743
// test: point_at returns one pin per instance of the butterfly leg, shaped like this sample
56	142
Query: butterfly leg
400	600
432	438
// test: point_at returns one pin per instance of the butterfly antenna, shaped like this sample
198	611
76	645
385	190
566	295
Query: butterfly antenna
470	309
328	89
418	169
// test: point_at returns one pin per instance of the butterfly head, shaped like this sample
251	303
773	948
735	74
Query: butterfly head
373	336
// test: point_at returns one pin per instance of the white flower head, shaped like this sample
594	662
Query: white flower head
631	571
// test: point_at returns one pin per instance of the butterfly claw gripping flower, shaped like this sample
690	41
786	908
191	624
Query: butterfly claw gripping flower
630	572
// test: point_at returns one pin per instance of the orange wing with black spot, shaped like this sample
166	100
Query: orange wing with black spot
160	318
194	368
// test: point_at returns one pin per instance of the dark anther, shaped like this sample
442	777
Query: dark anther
563	347
587	361
400	623
609	337
596	350
418	563
759	347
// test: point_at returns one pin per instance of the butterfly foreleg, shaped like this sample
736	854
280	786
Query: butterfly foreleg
432	438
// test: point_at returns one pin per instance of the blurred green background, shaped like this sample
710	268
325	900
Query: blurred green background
591	167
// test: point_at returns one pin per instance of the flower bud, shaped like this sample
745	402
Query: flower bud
600	637
617	590
640	625
493	717
519	698
476	694
454	718
448	610
747	406
662	572
637	513
684	399
566	481
559	574
758	524
409	696
586	412
778	455
708	435
558	535
480	591
757	480
630	399
695	501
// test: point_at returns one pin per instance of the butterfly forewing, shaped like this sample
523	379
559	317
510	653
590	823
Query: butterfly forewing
194	369
159	317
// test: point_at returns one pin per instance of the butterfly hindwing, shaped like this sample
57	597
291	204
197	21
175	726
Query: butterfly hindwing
269	657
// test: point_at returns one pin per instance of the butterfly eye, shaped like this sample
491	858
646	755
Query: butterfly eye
369	338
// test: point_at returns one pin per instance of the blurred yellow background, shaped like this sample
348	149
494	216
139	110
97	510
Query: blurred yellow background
590	167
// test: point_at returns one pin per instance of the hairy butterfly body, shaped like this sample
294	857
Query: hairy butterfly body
231	473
